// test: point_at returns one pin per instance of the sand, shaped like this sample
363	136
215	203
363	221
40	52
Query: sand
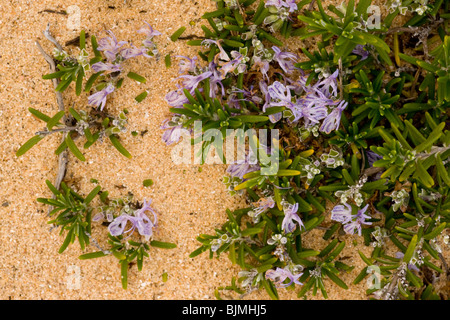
188	202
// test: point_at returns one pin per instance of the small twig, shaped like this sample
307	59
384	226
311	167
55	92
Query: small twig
63	156
52	65
48	132
51	39
53	11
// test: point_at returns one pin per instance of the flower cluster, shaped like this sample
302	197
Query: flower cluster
342	128
116	53
352	222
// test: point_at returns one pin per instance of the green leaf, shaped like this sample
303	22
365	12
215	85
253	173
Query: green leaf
91	80
213	14
54	120
432	138
335	279
75	114
270	288
57	74
141	96
251	118
82	40
410	250
92	255
95	46
168	60
435	232
92	195
136	77
66	241
443	174
79	83
148	182
422	175
198	251
124	273
415	134
348	178
73	148
116	143
52	187
39	115
288	173
28	145
163	245
174	37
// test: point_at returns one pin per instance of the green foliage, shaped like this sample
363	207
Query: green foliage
390	150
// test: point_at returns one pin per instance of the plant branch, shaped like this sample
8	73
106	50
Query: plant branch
63	156
48	132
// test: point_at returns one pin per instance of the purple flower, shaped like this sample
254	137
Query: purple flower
172	134
280	95
351	222
99	98
186	64
312	114
110	46
342	213
139	221
285	59
265	91
100	216
143	223
191	82
291	5
278	276
176	98
361	51
263	205
215	80
128	53
241	168
333	120
232	65
329	82
106	66
275	3
249	95
222	55
290	215
149	31
261	65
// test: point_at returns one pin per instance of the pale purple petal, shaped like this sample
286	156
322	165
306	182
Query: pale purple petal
117	227
341	213
333	120
286	60
99	98
149	31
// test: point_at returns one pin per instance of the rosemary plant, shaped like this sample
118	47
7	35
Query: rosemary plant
363	143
